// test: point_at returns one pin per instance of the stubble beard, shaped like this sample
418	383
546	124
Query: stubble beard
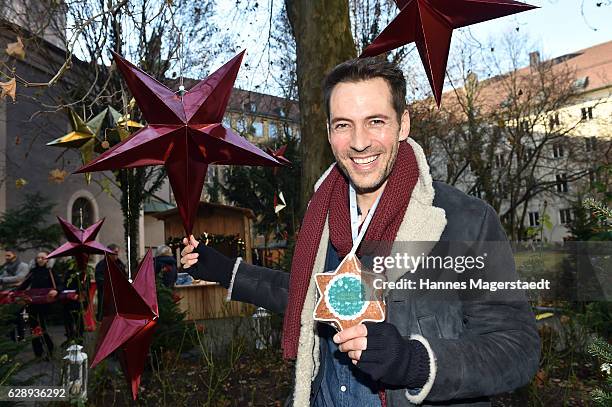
364	188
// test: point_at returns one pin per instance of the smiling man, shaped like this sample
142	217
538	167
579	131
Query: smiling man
451	352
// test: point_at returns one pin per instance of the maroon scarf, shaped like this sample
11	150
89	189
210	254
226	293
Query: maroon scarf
332	196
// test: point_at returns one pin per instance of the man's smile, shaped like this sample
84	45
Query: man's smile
365	162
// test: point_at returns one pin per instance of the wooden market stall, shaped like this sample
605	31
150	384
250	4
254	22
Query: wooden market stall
206	299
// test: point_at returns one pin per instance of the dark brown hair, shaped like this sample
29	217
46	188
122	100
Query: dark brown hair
361	69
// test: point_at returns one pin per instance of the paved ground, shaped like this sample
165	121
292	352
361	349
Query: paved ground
40	372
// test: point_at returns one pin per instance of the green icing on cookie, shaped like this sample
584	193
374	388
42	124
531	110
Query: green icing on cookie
346	296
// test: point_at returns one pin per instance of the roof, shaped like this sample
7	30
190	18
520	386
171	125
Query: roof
154	205
265	105
590	69
203	207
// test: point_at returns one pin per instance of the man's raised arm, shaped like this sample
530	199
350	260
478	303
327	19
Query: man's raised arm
256	285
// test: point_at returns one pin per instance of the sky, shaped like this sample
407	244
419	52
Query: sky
558	27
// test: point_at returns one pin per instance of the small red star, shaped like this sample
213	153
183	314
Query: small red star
430	24
81	243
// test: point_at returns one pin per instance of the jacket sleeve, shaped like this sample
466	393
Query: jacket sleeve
499	348
20	275
260	286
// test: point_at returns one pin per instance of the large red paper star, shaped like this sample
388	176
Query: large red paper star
184	133
81	243
130	314
430	24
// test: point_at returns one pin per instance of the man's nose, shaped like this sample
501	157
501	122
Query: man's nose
360	139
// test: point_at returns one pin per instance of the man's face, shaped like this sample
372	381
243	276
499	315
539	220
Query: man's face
115	254
364	131
10	257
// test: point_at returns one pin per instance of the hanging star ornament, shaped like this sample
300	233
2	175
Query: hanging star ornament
279	206
430	24
347	296
184	133
81	243
130	315
81	133
279	154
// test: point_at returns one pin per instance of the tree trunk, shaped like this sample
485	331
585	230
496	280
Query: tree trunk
322	33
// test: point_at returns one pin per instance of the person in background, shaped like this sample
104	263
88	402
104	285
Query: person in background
99	276
165	266
74	310
13	271
41	275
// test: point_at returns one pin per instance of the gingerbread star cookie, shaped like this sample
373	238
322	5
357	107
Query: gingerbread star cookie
347	296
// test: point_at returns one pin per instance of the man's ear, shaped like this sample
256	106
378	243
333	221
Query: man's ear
404	126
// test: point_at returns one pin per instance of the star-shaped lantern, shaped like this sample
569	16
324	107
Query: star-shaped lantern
347	296
130	315
81	132
81	243
430	24
279	202
184	133
279	154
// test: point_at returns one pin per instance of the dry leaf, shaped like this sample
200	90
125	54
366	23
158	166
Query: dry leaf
8	89
20	183
16	49
57	176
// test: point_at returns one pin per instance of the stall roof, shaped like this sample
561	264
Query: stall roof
203	206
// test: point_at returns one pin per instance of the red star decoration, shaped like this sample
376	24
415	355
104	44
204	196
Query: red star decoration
430	24
130	314
184	133
374	310
279	154
81	243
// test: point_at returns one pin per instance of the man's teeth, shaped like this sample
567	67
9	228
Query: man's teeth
366	160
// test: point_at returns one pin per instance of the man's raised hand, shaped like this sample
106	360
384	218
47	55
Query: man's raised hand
188	258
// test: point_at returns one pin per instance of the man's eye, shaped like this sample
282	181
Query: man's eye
377	122
341	126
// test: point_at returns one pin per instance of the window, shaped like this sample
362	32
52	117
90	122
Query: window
565	216
240	125
503	191
477	191
272	130
558	150
227	122
499	160
534	218
82	213
210	175
590	143
553	120
561	182
250	107
258	129
587	113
